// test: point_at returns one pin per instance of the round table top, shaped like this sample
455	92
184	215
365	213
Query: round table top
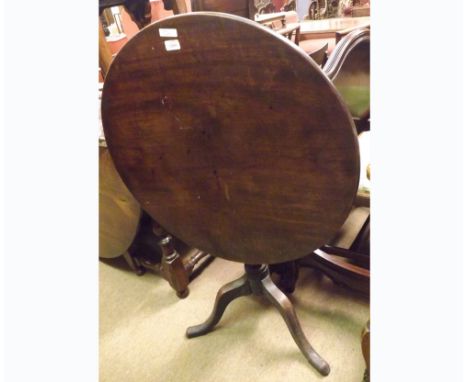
231	137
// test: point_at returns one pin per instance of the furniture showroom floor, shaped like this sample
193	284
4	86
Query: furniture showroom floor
142	330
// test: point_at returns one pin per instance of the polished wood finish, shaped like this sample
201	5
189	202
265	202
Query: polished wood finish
362	199
257	281
347	259
120	224
120	232
212	139
172	268
344	32
339	269
348	232
201	137
120	214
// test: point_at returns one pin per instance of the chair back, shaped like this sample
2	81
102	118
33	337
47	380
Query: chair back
349	69
320	55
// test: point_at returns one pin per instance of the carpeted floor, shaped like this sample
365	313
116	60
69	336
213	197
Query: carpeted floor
142	326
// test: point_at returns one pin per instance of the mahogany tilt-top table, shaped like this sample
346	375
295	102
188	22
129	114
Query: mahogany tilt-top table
235	141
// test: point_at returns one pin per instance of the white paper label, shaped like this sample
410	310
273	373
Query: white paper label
167	32
172	45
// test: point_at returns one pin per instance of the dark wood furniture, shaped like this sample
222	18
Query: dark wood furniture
123	228
178	263
277	22
319	55
122	224
339	34
211	137
347	261
139	10
346	258
316	33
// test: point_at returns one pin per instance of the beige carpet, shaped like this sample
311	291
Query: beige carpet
142	327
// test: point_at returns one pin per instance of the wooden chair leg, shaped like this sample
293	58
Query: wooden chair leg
172	267
133	263
178	270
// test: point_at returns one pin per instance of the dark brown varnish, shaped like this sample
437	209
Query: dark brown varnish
237	143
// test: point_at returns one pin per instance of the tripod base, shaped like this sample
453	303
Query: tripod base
257	281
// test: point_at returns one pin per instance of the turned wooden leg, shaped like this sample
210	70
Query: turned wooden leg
173	268
197	262
133	264
285	307
226	294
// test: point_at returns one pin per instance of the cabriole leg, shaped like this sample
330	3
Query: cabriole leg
285	307
226	294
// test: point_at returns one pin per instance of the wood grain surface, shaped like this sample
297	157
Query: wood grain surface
119	212
236	143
